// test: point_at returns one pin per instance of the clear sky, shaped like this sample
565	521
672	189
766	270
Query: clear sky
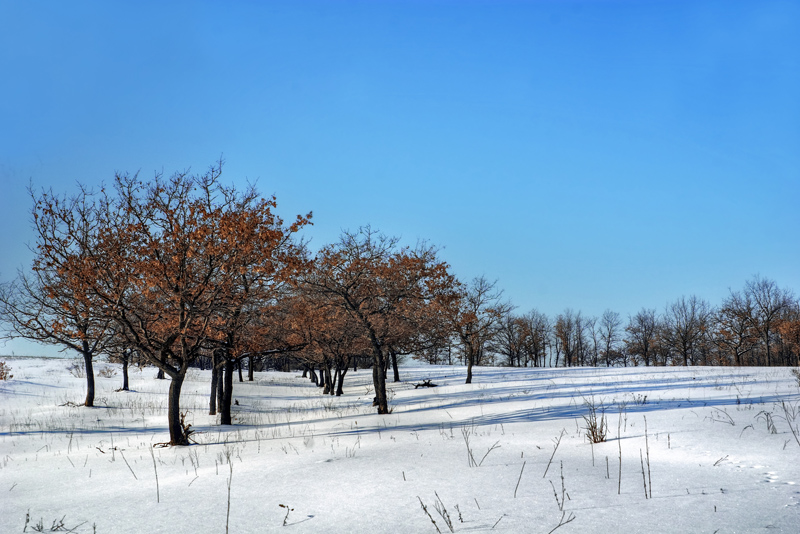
586	154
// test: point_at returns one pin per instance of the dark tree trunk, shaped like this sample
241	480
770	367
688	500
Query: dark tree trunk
379	381
212	402
176	433
240	363
125	359
313	375
469	356
250	368
379	375
394	367
340	380
220	384
227	393
326	372
160	374
321	382
87	360
332	381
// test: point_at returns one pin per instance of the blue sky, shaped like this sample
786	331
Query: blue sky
588	155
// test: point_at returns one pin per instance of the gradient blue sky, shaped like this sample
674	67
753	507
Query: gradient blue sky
590	155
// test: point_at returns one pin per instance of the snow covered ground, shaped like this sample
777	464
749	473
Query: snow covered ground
722	457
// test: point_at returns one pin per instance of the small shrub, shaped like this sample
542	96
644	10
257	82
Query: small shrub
5	371
596	423
107	372
77	368
796	373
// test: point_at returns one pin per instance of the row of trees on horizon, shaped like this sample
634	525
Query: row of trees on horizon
757	326
185	269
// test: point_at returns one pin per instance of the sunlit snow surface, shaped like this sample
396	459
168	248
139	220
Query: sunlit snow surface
722	455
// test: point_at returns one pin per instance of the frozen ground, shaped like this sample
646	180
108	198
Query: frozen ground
722	457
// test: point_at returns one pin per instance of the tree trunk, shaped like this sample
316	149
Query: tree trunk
326	372
313	375
160	374
321	382
331	381
769	352
240	362
227	393
379	380
125	359
220	384
340	381
212	402
176	434
250	366
87	360
394	367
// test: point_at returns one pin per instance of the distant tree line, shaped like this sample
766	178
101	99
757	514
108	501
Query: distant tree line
185	271
756	326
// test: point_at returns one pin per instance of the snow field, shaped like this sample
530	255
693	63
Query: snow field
722	454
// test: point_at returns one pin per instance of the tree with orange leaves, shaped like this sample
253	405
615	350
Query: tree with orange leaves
168	269
41	305
334	338
379	285
789	332
261	321
475	317
255	317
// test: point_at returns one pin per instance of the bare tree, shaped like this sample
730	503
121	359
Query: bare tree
643	329
570	334
582	343
510	339
685	320
611	335
594	337
537	330
768	301
564	337
735	332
